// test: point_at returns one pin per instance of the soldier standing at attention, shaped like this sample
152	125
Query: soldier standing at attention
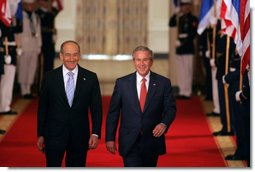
187	27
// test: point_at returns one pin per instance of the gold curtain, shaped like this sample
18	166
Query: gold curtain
111	26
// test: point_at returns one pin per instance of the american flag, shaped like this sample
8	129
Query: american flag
5	13
245	32
230	12
235	16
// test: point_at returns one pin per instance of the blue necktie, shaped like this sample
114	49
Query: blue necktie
70	88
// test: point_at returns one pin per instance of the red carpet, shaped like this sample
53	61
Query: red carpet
189	141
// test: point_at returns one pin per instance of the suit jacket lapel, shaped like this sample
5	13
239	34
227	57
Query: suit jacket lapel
152	89
80	77
133	92
61	82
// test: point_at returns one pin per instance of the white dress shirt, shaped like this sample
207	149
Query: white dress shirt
66	76
139	81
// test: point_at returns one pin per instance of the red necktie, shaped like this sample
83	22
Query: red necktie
143	93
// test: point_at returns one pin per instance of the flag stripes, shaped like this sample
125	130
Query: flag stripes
245	32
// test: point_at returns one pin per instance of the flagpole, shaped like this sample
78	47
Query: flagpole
226	86
241	76
208	40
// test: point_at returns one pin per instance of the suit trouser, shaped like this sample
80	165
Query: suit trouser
184	67
138	158
208	78
223	108
75	156
239	125
27	64
55	157
6	87
216	103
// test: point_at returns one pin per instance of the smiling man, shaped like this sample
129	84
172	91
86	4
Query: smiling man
67	93
145	105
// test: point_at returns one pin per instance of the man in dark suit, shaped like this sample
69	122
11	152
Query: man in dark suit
142	124
63	121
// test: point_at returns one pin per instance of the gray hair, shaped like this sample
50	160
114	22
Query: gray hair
66	42
143	48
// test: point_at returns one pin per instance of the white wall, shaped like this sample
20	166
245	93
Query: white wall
157	24
65	22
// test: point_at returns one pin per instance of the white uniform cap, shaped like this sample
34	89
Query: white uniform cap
28	1
186	1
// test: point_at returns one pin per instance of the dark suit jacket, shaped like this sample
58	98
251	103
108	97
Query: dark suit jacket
57	122
159	108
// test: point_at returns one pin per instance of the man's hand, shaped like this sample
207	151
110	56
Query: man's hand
40	143
159	130
93	142
111	147
177	43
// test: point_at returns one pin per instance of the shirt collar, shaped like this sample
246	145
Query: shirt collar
65	70
139	77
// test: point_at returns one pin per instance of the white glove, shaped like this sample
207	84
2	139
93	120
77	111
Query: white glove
19	51
207	54
232	69
238	96
212	63
7	59
213	20
177	43
223	80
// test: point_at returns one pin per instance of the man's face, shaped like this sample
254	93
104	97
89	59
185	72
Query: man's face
185	8
142	62
45	3
70	55
29	6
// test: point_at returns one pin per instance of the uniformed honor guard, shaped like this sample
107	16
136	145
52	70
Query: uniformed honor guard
8	46
186	24
31	48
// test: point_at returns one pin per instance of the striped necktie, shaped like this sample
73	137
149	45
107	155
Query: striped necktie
70	88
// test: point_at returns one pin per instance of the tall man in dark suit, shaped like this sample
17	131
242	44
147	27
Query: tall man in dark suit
63	121
145	116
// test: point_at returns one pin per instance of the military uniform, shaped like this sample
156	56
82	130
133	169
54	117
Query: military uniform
48	34
220	63
31	47
7	79
211	70
243	98
185	50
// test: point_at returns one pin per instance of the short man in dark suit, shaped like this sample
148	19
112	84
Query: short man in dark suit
63	121
145	116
